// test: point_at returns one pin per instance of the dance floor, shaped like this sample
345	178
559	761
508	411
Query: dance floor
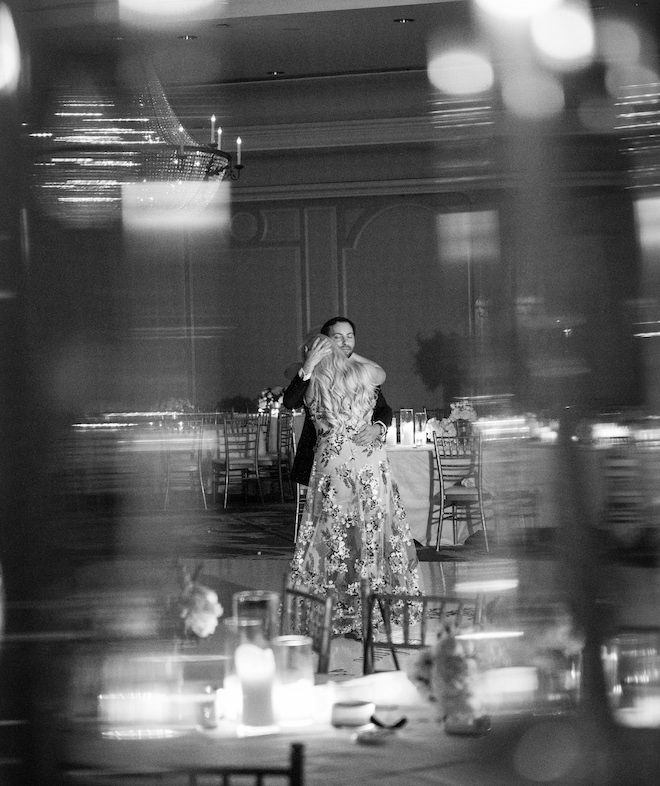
240	531
98	560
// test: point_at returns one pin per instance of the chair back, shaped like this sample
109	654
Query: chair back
265	437
286	443
183	459
307	614
457	458
414	621
241	437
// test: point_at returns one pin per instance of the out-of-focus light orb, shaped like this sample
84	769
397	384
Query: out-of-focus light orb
165	8
565	33
618	41
516	9
534	96
460	72
10	52
597	113
627	80
547	751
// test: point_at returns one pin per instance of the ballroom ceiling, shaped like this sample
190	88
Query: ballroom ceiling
220	41
246	40
225	56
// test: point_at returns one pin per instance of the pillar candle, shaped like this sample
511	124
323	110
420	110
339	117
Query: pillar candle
391	433
407	427
255	668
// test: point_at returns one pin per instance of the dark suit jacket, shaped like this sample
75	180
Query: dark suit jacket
293	399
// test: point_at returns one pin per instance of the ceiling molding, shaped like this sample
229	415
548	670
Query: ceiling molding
345	133
406	187
431	185
247	8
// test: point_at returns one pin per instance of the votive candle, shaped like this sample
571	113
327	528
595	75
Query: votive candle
407	427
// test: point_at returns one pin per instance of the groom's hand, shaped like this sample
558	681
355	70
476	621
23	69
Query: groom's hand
367	435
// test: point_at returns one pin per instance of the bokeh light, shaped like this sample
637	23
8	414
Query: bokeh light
547	752
460	72
533	95
165	8
10	53
564	33
618	41
597	114
620	79
516	9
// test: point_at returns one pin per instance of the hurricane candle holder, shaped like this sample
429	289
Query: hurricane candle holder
261	605
294	680
420	428
407	427
391	433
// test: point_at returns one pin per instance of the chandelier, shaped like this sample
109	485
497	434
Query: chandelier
106	144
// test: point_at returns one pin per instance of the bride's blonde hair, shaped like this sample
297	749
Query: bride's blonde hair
339	388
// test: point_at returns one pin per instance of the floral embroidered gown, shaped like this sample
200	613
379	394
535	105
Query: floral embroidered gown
353	525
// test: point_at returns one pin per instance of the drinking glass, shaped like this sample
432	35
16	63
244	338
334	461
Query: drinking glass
258	604
294	680
631	667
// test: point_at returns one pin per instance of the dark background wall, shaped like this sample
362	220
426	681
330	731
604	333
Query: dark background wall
343	208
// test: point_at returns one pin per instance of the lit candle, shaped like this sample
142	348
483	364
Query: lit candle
391	433
509	686
238	151
219	138
420	428
255	668
407	427
212	129
181	140
294	702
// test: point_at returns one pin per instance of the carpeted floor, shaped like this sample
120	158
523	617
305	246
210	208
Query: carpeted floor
240	531
243	547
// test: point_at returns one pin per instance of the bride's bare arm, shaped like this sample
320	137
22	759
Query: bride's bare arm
376	372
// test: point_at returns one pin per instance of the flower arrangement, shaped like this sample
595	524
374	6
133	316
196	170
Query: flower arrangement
176	405
448	673
443	427
198	606
451	672
270	397
461	412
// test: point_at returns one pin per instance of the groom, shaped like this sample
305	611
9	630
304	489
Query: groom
341	331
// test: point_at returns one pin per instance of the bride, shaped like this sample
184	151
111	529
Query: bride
353	525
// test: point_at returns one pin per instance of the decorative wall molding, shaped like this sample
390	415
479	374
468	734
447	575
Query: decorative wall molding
343	133
431	185
412	186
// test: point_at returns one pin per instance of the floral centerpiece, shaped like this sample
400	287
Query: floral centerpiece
452	672
460	415
197	607
447	673
270	398
176	405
